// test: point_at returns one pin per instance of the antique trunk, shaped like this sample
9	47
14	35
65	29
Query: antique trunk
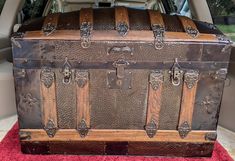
119	81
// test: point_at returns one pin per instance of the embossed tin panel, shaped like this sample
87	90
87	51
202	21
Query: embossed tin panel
115	108
28	98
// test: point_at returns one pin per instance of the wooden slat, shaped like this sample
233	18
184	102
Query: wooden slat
83	105
154	99
86	15
111	35
189	25
116	135
156	18
121	17
188	99
49	112
50	23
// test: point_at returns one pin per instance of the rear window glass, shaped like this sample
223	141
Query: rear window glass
2	2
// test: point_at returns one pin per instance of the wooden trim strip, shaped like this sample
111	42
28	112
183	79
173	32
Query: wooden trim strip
154	103
48	92
156	18
187	102
111	35
86	16
189	26
122	20
116	135
50	23
83	105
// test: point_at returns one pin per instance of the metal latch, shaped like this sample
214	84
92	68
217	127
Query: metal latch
158	32
119	79
176	73
85	31
66	71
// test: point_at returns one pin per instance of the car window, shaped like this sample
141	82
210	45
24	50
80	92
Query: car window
2	2
223	14
33	9
179	7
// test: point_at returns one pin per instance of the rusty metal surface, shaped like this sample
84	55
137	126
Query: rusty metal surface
28	98
118	109
207	104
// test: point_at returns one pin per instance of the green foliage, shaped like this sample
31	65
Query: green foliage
221	7
227	28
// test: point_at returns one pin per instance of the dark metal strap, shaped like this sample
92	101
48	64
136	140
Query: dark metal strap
86	26
50	23
122	20
158	28
189	26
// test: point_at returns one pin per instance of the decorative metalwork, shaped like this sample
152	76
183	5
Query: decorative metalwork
17	35
211	136
176	73
151	129
119	79
223	38
156	78
27	103
82	128
208	103
85	31
184	129
19	73
191	77
48	29
25	135
192	32
47	77
122	28
50	128
66	70
81	77
221	74
158	32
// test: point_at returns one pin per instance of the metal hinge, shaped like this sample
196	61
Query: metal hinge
158	32
48	29
122	28
81	77
119	79
192	32
156	78
85	31
67	72
176	73
184	129
190	78
82	128
50	128
151	128
47	77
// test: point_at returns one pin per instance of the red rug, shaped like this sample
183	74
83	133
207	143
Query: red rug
10	151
